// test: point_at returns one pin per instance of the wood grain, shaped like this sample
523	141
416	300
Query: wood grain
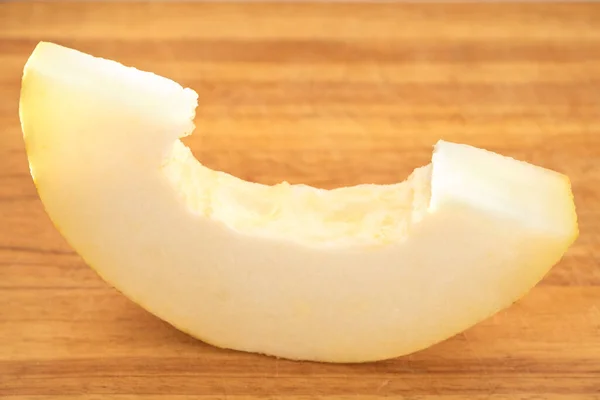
329	95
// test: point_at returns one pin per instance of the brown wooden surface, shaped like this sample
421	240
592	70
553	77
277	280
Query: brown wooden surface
328	95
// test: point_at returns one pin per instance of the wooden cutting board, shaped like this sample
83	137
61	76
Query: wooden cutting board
329	95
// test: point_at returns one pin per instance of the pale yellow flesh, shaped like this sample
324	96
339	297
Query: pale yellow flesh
353	274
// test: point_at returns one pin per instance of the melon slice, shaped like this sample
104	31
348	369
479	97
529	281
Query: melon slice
354	274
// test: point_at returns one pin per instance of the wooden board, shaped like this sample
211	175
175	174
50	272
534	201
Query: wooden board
329	95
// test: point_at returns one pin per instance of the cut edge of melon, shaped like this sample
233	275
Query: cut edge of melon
364	214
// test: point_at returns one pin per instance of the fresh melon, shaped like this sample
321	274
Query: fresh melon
353	274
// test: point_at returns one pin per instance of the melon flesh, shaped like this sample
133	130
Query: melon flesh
354	274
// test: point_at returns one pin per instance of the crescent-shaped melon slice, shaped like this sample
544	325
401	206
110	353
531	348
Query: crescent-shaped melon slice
353	274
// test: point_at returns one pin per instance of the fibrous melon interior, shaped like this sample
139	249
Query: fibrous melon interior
367	213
